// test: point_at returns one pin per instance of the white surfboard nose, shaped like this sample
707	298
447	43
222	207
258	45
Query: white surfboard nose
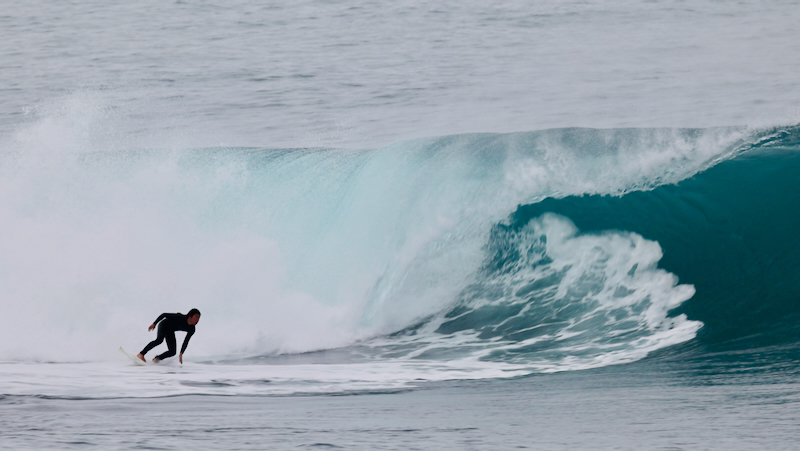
136	360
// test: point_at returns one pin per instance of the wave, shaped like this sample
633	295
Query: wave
538	249
580	281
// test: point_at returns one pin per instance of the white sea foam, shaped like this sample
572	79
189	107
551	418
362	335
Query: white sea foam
113	380
569	301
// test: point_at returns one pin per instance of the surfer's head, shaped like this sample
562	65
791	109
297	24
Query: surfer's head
194	316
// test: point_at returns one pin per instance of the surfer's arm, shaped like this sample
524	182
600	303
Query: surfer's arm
186	343
160	317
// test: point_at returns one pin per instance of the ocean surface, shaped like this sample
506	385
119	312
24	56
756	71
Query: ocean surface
408	225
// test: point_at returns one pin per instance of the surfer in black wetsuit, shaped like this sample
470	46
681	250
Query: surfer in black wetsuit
166	330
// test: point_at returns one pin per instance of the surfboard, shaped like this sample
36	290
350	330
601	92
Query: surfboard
136	360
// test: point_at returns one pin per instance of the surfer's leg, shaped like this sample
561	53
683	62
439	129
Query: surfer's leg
154	343
170	337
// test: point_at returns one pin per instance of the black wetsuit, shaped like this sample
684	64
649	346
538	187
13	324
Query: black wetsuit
166	330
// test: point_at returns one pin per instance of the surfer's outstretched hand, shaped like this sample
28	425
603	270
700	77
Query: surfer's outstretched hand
180	357
152	326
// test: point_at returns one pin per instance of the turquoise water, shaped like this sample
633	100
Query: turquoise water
552	226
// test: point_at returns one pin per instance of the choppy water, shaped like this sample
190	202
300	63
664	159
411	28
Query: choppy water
393	203
369	74
643	406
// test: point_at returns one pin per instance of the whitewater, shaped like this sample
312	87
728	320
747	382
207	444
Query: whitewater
462	226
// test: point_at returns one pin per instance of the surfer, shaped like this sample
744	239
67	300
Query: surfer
166	330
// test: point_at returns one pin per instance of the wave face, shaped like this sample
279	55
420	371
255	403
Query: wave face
551	250
587	280
582	281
